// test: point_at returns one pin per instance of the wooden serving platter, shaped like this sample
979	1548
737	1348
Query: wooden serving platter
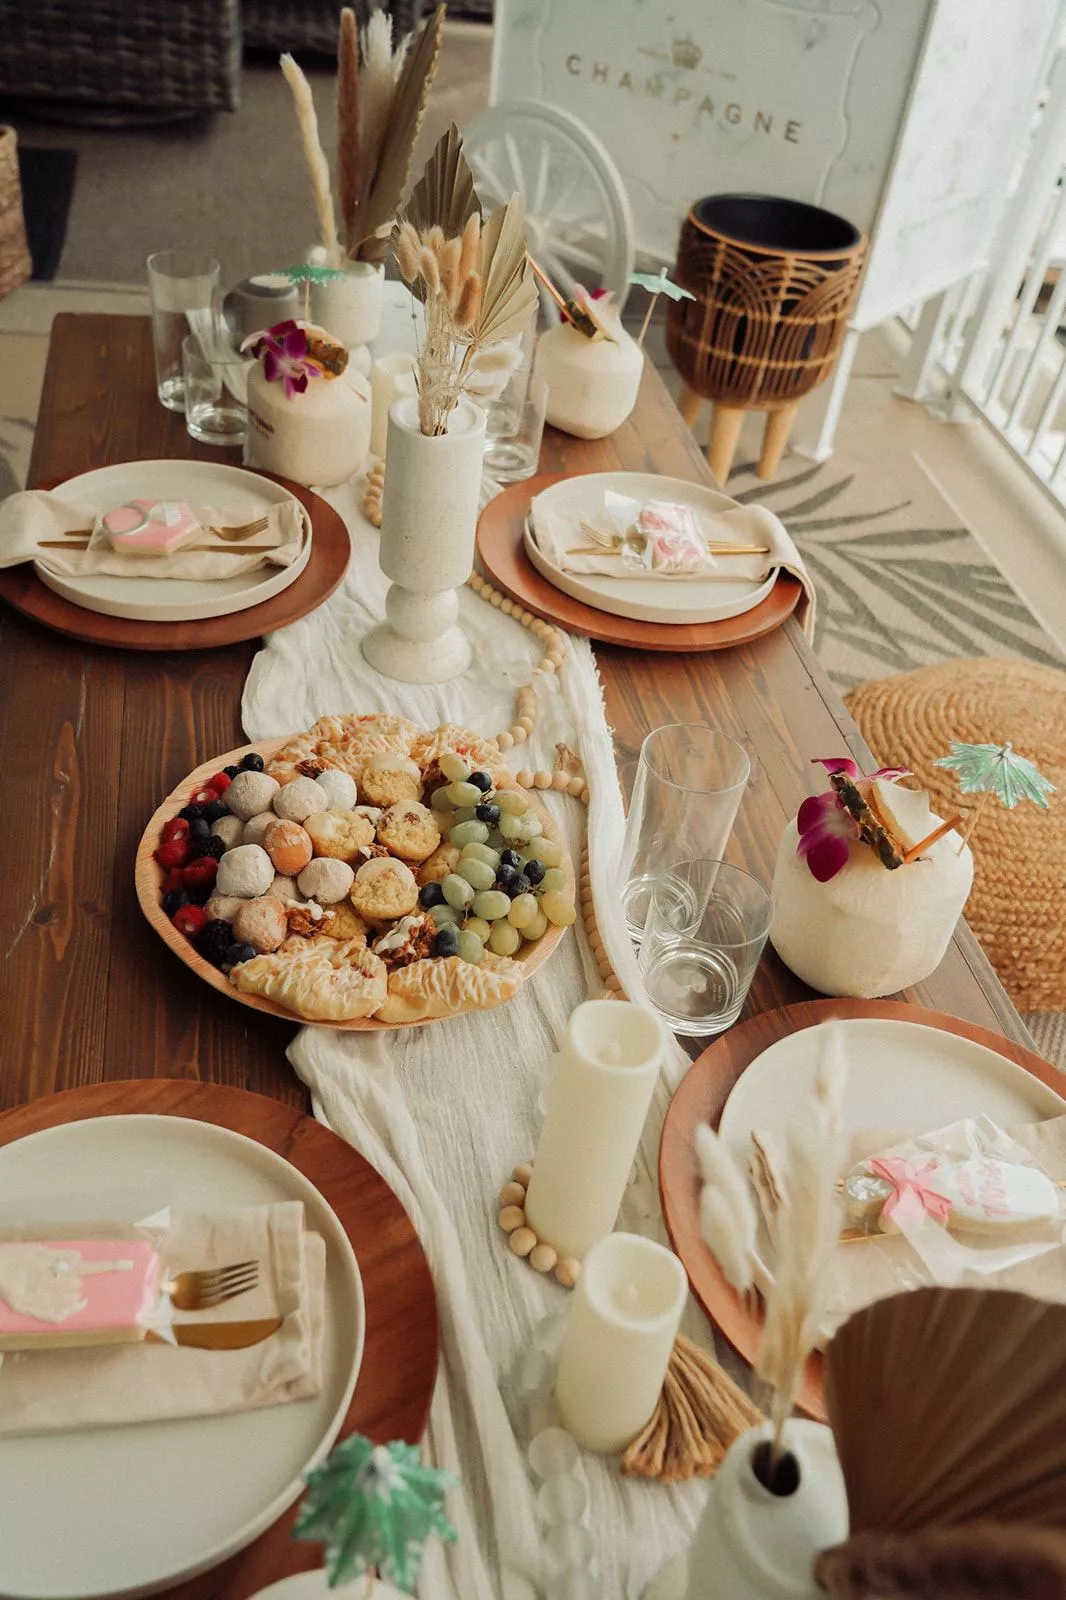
148	876
500	547
399	1367
326	566
701	1098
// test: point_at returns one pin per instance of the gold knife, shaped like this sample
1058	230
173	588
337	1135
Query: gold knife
218	1335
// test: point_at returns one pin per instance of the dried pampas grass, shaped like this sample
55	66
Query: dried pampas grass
349	149
317	165
727	1212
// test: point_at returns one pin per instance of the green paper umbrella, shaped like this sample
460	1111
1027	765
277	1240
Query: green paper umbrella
307	274
374	1507
657	283
998	770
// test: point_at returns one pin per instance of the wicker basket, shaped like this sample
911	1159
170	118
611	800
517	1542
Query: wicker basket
15	263
774	281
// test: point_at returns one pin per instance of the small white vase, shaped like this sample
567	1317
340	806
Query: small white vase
428	521
869	931
751	1544
350	309
592	383
319	437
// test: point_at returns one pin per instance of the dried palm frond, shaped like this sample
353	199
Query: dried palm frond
508	293
444	195
349	157
727	1211
317	166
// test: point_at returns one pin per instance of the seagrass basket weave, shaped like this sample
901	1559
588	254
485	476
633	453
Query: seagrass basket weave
15	263
774	281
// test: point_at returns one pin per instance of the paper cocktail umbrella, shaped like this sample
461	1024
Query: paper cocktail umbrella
996	769
306	275
657	283
948	1406
979	1561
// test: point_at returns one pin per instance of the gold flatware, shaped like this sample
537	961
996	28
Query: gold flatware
715	550
185	549
218	1335
608	542
244	531
199	1291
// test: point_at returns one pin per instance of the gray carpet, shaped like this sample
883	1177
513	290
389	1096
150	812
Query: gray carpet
234	183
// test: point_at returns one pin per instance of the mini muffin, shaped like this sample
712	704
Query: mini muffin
339	834
288	846
262	923
338	787
384	889
409	830
246	871
342	921
389	777
230	830
326	880
250	793
445	859
256	826
298	800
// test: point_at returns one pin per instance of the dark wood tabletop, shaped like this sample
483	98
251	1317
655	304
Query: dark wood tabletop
91	738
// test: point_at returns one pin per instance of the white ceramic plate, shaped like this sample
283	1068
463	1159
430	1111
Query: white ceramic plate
243	494
643	599
129	1510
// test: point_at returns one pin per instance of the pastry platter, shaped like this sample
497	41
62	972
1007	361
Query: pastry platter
421	988
501	547
908	1068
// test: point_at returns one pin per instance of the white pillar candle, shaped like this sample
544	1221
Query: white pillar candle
624	1317
596	1105
391	378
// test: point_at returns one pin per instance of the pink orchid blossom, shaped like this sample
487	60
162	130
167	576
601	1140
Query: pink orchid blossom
284	352
826	828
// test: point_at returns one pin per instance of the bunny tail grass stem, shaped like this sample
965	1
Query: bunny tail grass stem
317	166
348	165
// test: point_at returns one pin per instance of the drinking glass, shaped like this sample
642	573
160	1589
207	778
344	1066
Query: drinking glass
704	932
516	455
184	286
688	788
216	391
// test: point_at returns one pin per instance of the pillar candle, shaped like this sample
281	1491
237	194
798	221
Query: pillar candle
596	1105
391	378
624	1317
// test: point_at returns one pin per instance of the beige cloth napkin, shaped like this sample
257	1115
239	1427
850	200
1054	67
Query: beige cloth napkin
880	1266
28	518
60	1390
557	532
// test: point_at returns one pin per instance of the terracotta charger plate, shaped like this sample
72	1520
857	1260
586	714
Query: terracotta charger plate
701	1098
500	547
326	566
148	876
399	1365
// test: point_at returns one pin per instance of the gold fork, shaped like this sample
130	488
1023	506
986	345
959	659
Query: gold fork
607	542
245	530
199	1291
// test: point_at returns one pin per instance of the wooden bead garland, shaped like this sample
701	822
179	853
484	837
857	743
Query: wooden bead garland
375	488
541	1256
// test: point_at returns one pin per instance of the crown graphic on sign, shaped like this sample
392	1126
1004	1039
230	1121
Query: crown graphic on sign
686	52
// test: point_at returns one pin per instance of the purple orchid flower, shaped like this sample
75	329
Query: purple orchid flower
826	827
284	351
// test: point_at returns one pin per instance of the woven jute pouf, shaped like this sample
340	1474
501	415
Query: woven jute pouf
1017	907
15	263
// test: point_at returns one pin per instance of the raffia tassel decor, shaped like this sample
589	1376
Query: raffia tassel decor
15	263
700	1412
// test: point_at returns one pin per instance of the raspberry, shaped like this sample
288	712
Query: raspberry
189	920
220	782
173	853
176	828
200	874
204	797
171	880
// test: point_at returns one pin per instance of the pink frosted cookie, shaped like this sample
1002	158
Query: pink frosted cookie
75	1291
150	527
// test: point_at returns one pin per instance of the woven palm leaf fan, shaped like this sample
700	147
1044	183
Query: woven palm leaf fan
948	1406
978	1561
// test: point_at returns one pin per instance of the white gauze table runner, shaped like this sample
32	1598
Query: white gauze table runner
444	1112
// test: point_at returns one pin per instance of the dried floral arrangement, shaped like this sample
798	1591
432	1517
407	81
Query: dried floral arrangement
382	90
472	275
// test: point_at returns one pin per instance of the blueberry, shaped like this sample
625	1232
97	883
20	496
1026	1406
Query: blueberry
446	942
214	810
519	884
231	772
214	941
193	812
482	781
237	953
506	873
199	828
173	901
252	762
488	812
213	847
534	871
431	894
510	858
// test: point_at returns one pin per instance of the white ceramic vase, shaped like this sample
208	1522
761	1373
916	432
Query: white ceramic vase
592	383
754	1545
350	309
428	520
319	437
869	931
